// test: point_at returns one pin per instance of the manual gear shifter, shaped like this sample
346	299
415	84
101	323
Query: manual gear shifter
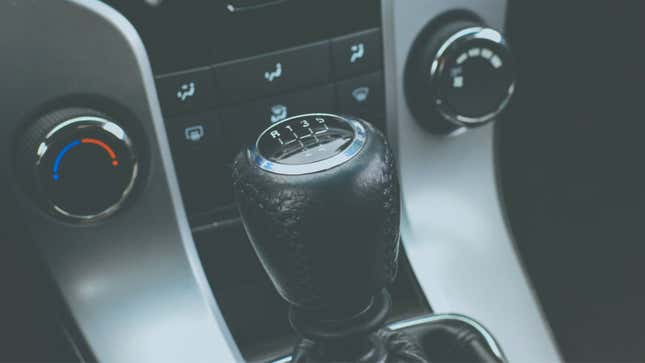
319	198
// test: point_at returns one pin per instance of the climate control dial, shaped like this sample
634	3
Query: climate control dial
78	164
459	74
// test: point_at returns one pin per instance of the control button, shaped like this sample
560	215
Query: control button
204	177
274	73
245	123
194	134
362	97
78	163
185	92
357	53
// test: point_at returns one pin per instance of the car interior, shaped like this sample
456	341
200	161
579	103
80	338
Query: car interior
319	181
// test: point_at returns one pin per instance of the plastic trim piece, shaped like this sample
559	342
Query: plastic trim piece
133	284
453	225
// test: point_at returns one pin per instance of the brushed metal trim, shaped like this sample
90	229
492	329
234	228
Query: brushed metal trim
351	150
453	226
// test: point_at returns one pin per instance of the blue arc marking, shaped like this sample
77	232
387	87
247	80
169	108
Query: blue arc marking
62	153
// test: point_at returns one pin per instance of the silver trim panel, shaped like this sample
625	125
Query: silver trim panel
134	284
453	225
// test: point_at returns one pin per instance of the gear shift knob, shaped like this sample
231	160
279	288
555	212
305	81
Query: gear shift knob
319	198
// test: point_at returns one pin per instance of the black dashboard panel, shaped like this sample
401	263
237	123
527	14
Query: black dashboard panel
184	34
222	76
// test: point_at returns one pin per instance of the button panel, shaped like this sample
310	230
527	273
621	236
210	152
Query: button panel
274	73
212	112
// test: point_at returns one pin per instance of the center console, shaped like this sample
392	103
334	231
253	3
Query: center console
240	71
156	116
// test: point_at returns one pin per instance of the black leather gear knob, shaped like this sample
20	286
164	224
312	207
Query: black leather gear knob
319	198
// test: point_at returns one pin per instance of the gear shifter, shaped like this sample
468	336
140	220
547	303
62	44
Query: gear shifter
319	198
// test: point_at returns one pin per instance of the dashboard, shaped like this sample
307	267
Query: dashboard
122	241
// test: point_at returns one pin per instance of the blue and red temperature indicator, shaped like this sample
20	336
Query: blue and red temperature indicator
73	144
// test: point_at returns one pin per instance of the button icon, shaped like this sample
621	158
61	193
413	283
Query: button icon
186	91
278	113
275	74
458	82
360	94
358	52
194	133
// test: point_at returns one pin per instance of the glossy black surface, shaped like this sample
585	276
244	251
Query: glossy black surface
212	61
186	92
270	74
200	160
356	54
226	105
363	96
191	33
